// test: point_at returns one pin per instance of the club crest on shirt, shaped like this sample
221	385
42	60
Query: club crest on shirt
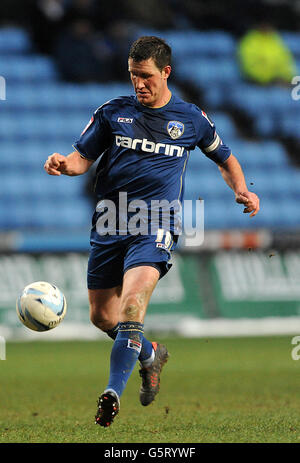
175	129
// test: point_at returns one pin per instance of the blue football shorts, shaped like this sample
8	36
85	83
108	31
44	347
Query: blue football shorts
112	256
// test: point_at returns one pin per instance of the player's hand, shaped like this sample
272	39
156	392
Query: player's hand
56	164
250	200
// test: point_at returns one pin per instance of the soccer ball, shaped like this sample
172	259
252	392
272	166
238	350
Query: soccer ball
41	306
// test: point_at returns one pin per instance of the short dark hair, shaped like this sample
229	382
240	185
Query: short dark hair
151	47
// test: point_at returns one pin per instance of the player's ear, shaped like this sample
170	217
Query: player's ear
166	71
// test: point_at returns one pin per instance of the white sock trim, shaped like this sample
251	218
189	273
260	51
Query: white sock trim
113	393
148	362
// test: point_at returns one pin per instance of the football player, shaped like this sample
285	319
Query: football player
143	142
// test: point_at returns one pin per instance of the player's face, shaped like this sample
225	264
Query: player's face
149	82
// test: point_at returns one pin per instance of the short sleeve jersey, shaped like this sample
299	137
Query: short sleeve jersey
144	151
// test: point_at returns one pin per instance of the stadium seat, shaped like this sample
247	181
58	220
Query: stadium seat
260	154
274	112
266	125
207	72
216	214
204	186
55	125
216	96
32	155
71	214
8	127
292	40
224	124
31	68
247	97
279	214
273	185
13	215
37	185
292	176
288	125
14	40
22	97
199	163
187	44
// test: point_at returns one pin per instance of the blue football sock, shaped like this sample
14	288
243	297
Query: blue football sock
124	355
146	351
112	333
147	348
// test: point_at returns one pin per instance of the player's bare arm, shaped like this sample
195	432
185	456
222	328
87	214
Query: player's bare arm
233	175
71	165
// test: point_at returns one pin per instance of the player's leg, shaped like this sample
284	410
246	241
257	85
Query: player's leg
153	359
105	268
105	314
141	252
104	280
156	250
138	285
105	308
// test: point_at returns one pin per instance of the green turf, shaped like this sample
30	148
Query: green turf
213	390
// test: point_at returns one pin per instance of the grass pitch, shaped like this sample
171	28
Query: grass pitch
212	390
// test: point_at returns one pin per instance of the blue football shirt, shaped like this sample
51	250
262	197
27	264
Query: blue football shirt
144	151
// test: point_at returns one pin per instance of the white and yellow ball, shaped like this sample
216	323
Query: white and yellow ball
41	306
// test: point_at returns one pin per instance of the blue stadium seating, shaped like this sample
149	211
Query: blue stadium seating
39	185
14	40
30	155
224	124
263	154
65	215
292	40
55	124
31	68
187	44
51	96
207	72
54	215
